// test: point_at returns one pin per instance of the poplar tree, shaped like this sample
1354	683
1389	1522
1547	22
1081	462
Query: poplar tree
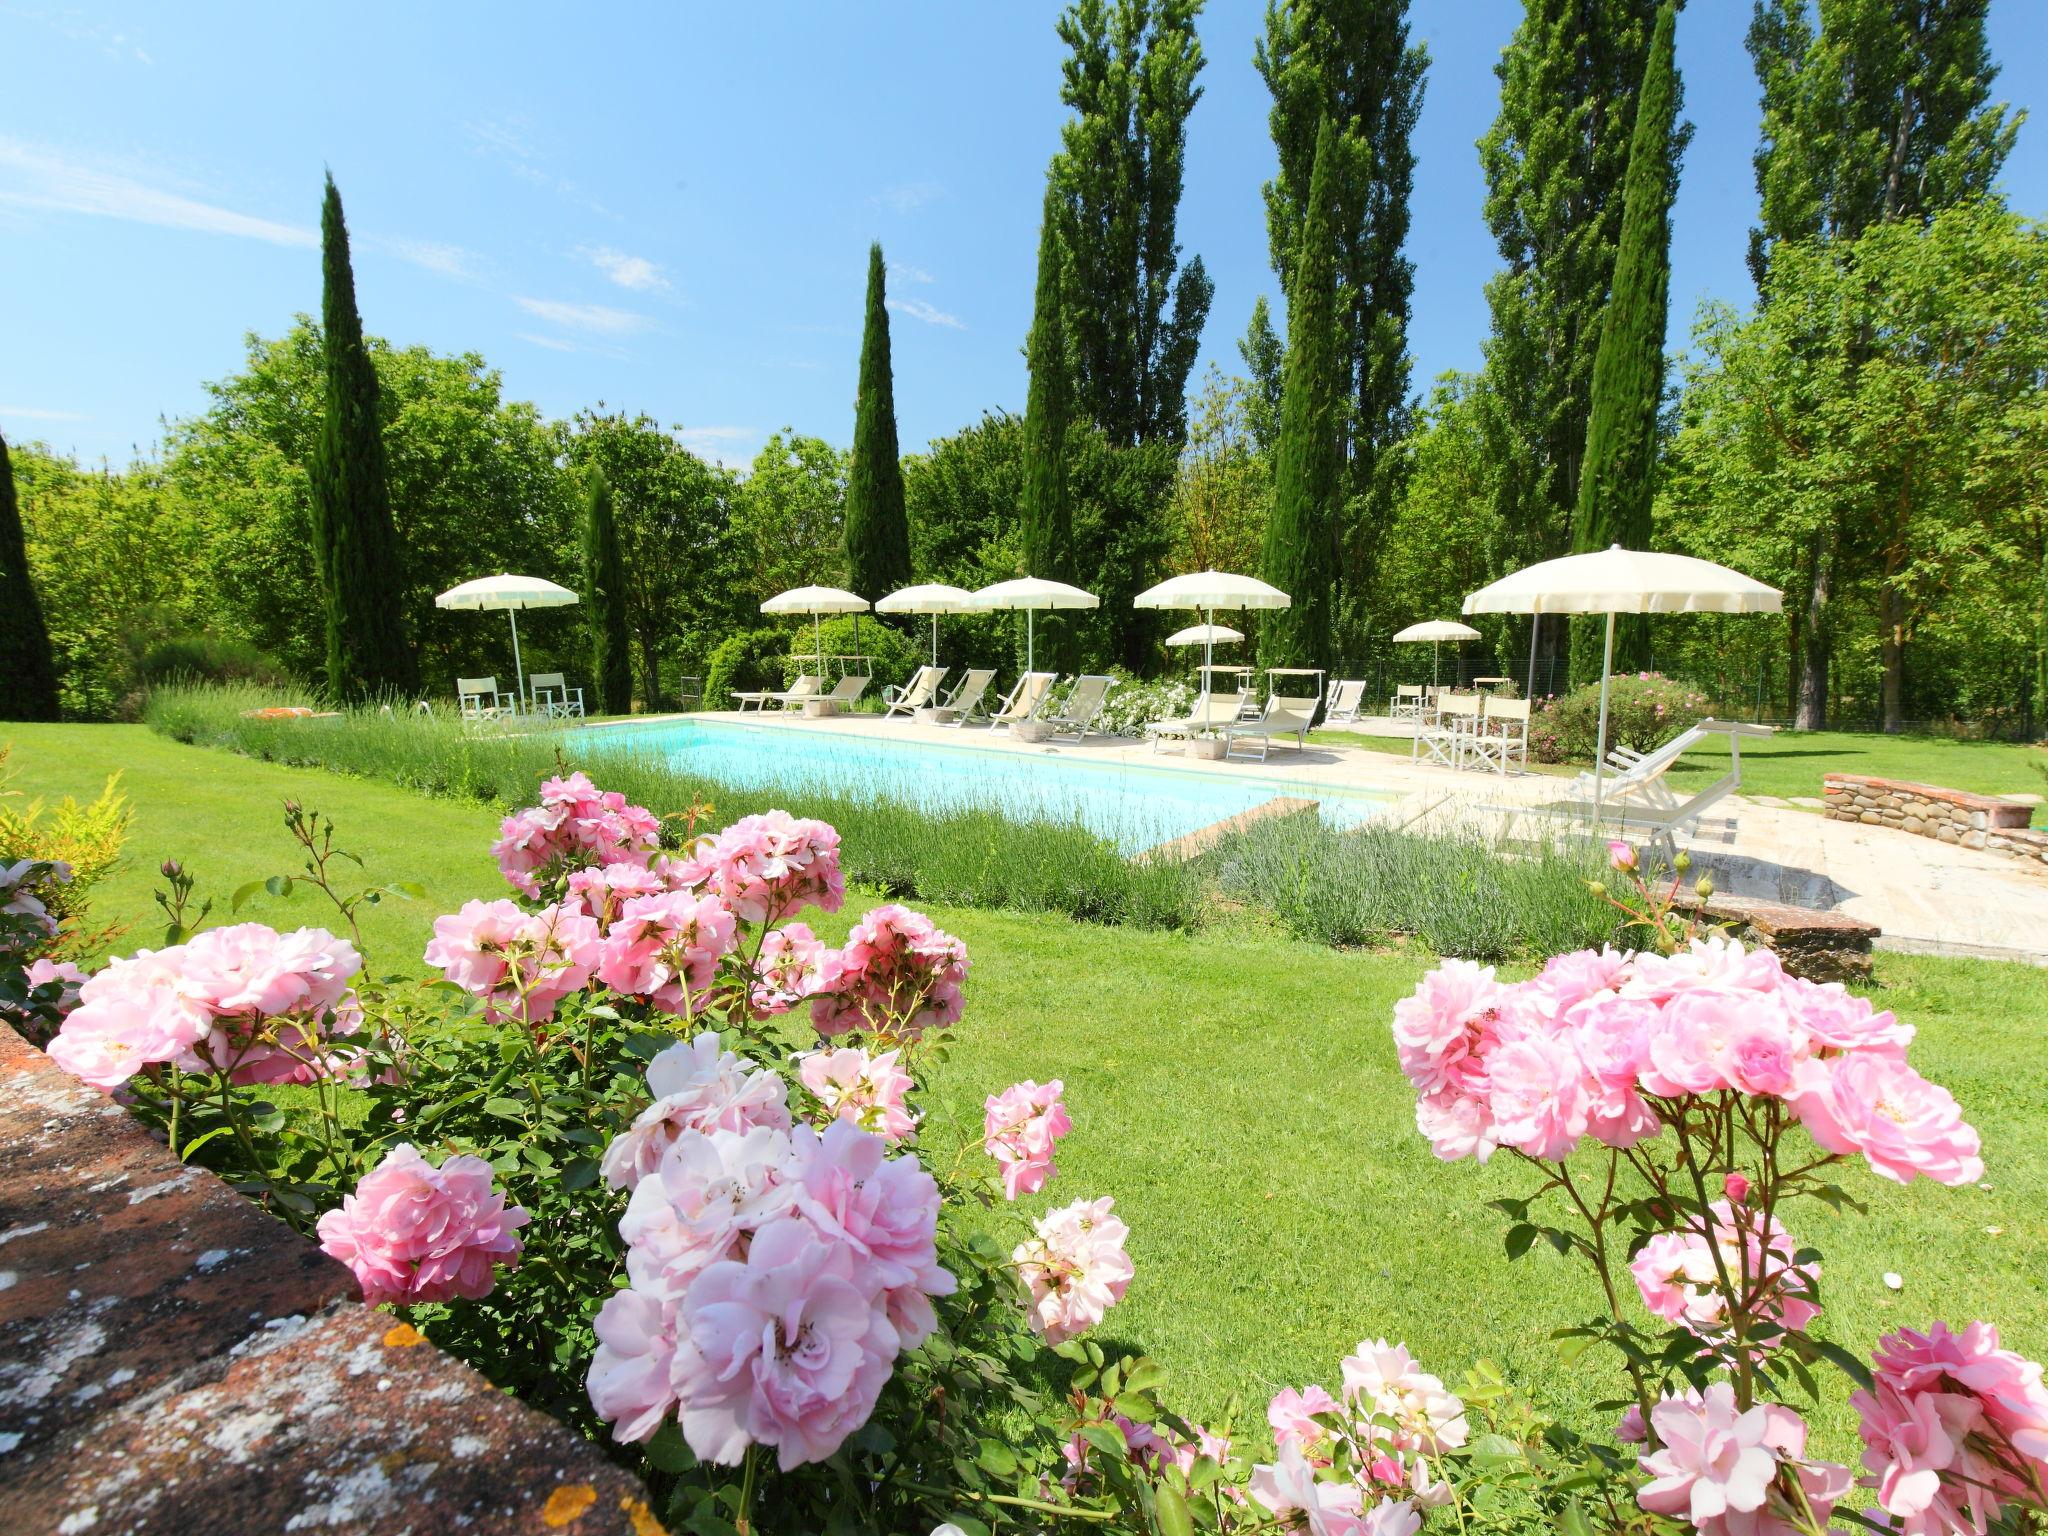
604	600
28	670
1619	479
356	551
1351	60
877	530
1299	555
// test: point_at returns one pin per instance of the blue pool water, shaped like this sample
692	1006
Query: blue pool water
1133	805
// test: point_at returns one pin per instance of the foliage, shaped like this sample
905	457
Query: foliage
204	658
1131	706
891	655
747	662
1352	61
1644	710
1618	476
28	670
788	520
1045	533
1224	491
604	600
877	536
1300	547
86	840
1454	892
356	552
1265	361
1133	318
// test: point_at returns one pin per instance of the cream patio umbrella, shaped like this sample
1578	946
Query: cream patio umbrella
1436	632
1617	580
510	593
1209	590
815	601
934	598
1033	594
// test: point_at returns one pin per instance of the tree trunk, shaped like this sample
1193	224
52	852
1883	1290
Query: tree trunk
1812	711
1891	609
650	669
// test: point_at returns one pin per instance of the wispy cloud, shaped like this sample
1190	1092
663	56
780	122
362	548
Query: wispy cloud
507	142
34	177
40	413
908	196
909	274
600	318
720	444
565	344
634	272
448	260
71	24
930	314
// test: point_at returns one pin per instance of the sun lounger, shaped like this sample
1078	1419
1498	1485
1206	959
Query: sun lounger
478	699
1285	715
805	687
1346	697
844	695
915	694
1024	700
1639	800
964	704
1077	717
1212	712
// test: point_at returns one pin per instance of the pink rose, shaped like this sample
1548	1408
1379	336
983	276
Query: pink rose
1074	1269
412	1232
1292	1415
697	1085
870	1091
769	866
665	949
1620	856
898	976
1020	1127
629	1381
1903	1125
794	964
521	964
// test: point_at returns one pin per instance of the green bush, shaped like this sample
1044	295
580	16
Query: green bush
746	662
892	656
1644	710
207	658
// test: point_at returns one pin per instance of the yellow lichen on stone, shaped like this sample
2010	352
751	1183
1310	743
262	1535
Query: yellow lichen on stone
568	1502
641	1518
404	1336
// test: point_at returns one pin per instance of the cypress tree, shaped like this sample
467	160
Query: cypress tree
28	671
1046	528
1619	477
1300	551
877	530
355	543
604	600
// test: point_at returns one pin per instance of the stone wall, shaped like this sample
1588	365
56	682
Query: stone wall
1950	815
173	1360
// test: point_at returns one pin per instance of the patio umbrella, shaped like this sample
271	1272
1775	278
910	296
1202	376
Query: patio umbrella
1033	594
815	601
510	593
934	598
1204	634
1208	591
1617	580
1436	632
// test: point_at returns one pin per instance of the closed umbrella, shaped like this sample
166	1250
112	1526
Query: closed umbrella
1033	594
1436	632
815	601
934	598
510	593
1617	580
1209	590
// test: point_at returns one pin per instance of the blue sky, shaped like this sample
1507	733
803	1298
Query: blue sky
670	210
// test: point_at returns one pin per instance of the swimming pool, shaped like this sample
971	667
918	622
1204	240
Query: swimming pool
1135	806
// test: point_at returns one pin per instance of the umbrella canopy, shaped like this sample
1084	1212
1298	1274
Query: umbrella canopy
934	598
1032	594
814	601
1210	590
1204	634
1436	631
510	593
1616	580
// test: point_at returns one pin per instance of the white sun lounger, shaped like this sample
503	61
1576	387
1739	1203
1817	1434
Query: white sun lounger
964	703
915	694
1346	698
1639	800
805	687
1077	717
1024	700
1212	712
1286	715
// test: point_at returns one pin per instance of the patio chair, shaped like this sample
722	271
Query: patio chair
553	698
1638	799
915	694
1285	715
479	698
845	693
1211	712
689	692
1025	699
1407	703
1444	738
1502	737
1077	717
806	686
964	704
1346	699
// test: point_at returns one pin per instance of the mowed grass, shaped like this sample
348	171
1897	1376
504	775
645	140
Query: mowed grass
1237	1092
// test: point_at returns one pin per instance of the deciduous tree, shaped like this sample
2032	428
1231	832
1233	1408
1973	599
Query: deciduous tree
604	599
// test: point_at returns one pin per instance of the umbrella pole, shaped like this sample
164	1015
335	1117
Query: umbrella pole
1030	637
935	639
1534	620
1600	741
1209	646
1435	671
518	666
818	646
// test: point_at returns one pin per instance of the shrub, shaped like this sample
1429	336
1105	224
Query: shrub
1643	711
892	655
745	662
207	657
86	840
1132	706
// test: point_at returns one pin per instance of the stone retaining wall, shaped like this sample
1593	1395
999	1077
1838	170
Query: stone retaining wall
173	1360
1950	815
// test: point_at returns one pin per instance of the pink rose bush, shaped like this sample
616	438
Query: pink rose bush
767	867
575	826
412	1232
1074	1268
899	975
1730	1471
1020	1127
871	1091
520	964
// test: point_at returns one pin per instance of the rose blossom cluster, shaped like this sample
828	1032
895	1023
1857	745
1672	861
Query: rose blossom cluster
247	1000
1680	1273
599	891
765	867
1730	1471
1954	1428
898	975
775	1272
1590	1047
412	1232
870	1091
1020	1127
1073	1268
521	964
574	826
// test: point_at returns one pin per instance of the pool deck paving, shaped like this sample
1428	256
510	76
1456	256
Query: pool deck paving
1927	896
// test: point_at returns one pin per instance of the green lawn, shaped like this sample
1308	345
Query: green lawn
1237	1092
